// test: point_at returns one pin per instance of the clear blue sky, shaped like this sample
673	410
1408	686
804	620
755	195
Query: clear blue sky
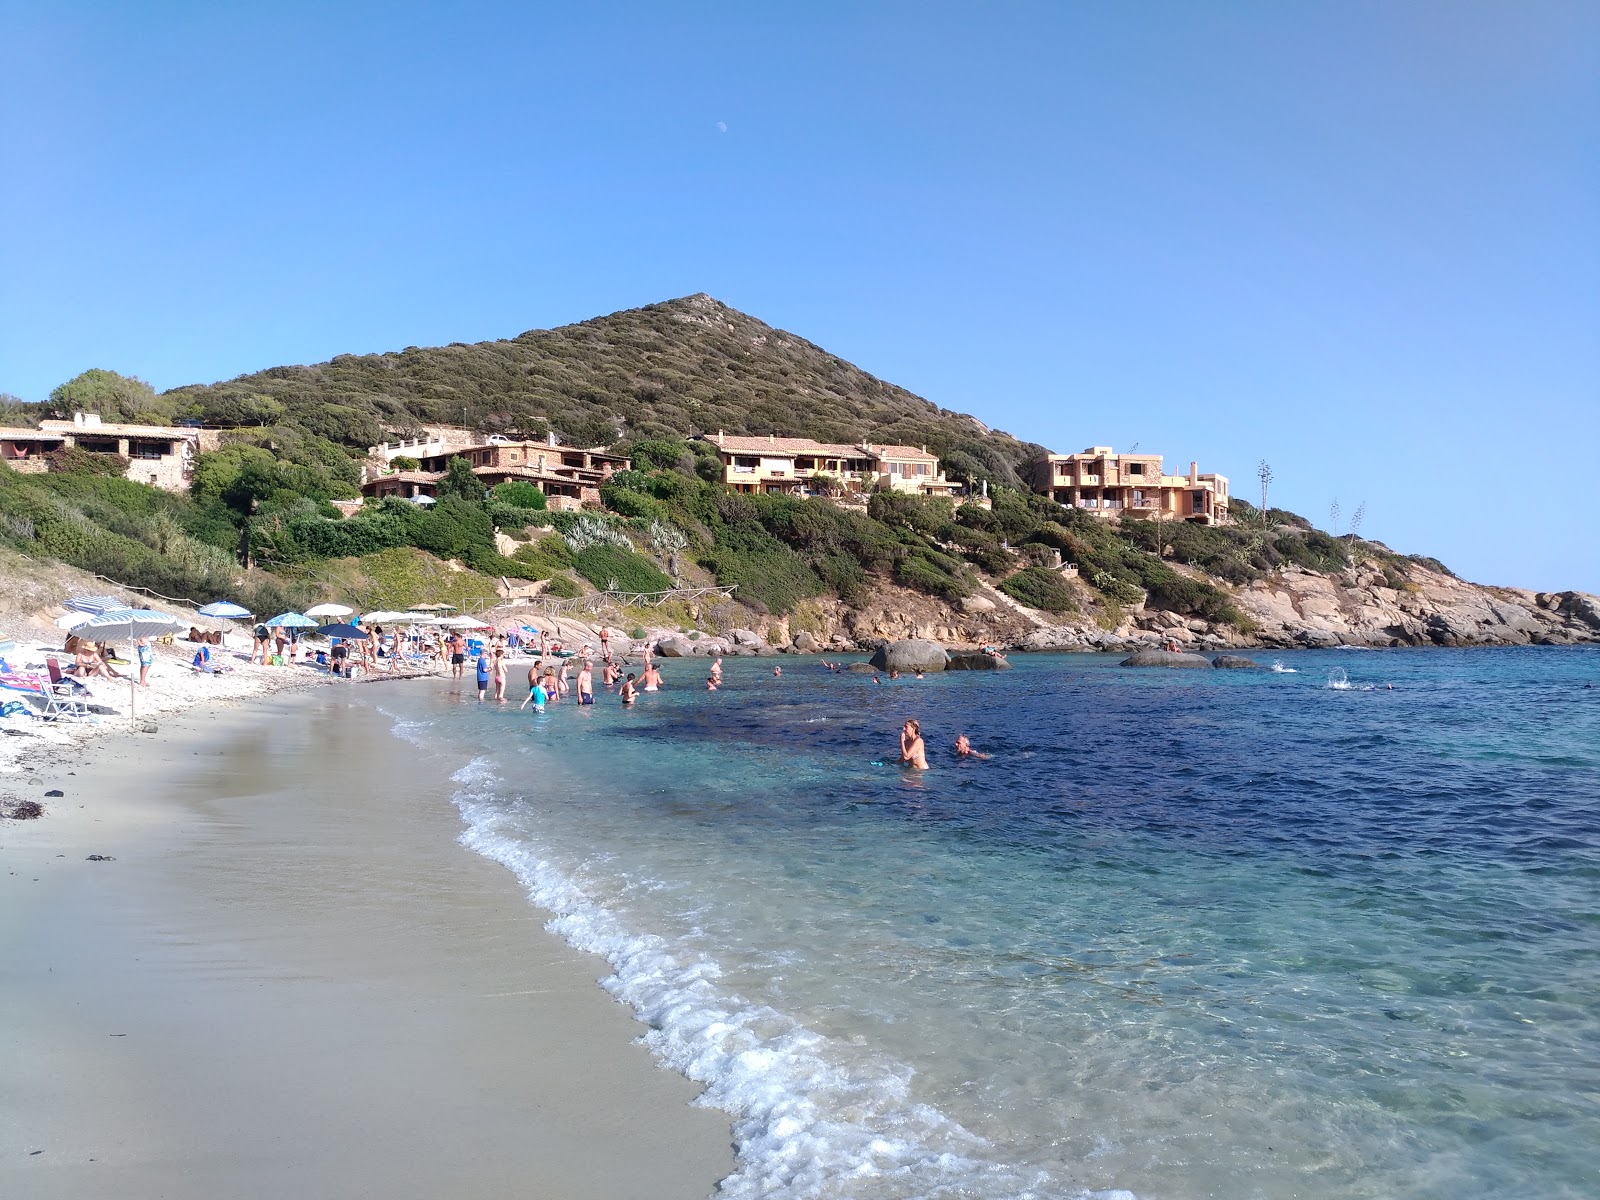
1359	240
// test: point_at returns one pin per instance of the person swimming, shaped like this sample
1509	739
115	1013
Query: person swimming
912	751
964	749
777	672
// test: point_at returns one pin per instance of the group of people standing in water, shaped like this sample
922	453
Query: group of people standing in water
549	683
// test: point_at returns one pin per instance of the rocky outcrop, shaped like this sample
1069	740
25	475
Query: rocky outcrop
974	660
1166	658
676	647
910	654
1360	608
1233	662
806	642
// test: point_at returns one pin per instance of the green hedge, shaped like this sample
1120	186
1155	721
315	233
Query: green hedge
632	572
1041	588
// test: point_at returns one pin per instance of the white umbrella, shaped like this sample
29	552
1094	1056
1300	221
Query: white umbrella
384	616
73	619
464	623
329	610
132	624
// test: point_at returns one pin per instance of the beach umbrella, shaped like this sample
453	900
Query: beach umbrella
132	624
348	632
290	620
383	616
73	619
464	622
224	608
95	604
433	608
329	610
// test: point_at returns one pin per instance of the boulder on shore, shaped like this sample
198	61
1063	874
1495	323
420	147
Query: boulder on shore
910	654
1233	661
1166	658
864	667
675	647
975	660
805	642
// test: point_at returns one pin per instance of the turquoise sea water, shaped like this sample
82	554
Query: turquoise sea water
1187	934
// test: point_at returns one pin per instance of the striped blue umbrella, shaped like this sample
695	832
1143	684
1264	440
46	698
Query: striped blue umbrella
224	608
95	604
290	620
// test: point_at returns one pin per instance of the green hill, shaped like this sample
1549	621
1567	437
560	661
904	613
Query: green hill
685	366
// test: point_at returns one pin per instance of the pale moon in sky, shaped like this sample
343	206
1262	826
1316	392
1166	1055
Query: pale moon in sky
722	127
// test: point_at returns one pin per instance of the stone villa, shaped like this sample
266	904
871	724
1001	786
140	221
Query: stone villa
1106	484
801	467
569	477
159	455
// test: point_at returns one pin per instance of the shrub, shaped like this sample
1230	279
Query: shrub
604	566
1041	588
518	493
460	483
404	462
563	587
583	531
769	579
74	460
510	516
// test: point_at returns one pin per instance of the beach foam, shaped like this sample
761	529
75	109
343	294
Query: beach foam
805	1124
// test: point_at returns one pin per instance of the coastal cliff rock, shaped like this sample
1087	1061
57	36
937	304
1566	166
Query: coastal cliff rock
910	654
1233	662
1360	608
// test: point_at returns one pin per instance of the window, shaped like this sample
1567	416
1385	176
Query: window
745	463
1199	500
1135	468
149	449
805	464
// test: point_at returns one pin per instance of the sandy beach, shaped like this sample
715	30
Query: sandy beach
291	979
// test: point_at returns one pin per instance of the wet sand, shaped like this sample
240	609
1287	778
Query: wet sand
293	981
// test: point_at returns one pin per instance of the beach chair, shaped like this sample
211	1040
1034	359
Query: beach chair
50	704
63	684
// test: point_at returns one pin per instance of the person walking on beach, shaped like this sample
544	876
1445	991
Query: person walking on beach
262	637
483	675
585	684
912	752
147	659
500	675
458	656
605	644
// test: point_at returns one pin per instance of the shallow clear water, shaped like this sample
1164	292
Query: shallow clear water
1187	934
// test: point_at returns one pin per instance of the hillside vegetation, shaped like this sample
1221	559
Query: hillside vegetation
685	366
639	380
